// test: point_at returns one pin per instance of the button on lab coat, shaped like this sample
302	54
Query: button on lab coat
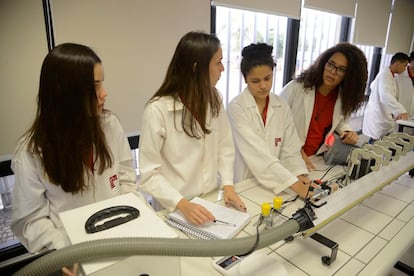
301	101
174	165
270	153
382	106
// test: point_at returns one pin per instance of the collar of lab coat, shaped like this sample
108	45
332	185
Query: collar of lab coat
249	101
308	102
174	105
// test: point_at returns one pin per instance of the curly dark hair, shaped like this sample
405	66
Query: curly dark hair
352	92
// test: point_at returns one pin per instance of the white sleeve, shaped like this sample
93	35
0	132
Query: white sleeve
30	215
390	103
127	175
152	138
290	155
286	93
226	149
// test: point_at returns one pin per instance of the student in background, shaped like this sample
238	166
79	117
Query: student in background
267	144
186	145
323	97
405	86
75	152
383	107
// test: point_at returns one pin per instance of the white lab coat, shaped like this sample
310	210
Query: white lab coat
382	106
175	166
37	202
405	90
301	101
270	153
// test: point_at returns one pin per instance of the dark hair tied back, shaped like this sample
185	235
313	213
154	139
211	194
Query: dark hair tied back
258	54
257	50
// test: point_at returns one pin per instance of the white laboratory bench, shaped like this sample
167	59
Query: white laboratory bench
371	220
373	233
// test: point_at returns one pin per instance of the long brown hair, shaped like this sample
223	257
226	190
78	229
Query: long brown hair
354	83
67	128
188	80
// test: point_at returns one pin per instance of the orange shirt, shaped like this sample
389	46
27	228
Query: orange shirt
321	121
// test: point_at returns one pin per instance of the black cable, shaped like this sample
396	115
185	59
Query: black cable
294	198
330	168
283	215
310	188
291	200
321	170
257	238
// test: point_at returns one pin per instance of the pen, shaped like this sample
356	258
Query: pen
224	222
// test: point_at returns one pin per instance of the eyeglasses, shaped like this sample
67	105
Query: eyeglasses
339	70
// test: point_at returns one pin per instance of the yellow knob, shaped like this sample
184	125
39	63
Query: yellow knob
266	207
277	202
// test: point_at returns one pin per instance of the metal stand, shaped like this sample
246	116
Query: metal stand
326	260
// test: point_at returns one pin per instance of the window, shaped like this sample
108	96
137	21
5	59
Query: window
7	237
369	53
236	29
318	32
385	60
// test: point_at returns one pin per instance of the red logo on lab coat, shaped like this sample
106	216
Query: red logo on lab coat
277	141
112	180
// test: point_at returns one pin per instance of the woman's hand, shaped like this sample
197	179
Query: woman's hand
308	162
231	198
194	213
402	116
70	271
349	137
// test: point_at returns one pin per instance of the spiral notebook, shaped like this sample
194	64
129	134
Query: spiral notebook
235	221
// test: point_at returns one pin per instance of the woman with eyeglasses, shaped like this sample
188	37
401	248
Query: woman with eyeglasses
323	97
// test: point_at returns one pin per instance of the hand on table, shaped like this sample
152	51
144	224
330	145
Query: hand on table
308	162
403	116
349	137
70	271
231	198
195	213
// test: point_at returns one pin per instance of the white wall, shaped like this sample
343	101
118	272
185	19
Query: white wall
135	40
22	48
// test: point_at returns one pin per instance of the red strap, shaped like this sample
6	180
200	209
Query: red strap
264	115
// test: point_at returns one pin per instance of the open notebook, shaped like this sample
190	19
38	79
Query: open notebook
236	221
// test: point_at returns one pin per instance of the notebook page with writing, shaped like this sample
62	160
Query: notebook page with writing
236	221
